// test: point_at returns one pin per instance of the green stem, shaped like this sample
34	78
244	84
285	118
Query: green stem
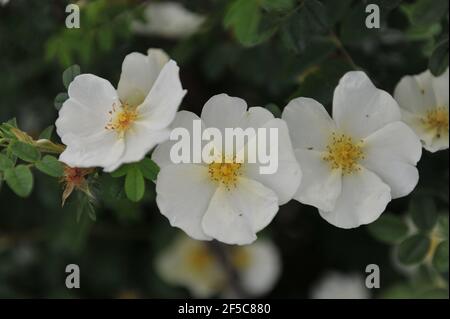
338	43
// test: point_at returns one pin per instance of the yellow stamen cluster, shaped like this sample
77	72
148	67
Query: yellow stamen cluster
121	119
226	173
436	120
200	258
344	153
240	257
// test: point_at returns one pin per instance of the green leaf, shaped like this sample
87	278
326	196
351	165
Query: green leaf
20	180
134	184
106	39
353	27
277	5
322	81
60	99
5	162
12	122
439	58
69	74
25	152
423	212
425	12
148	168
440	258
399	291
305	25
111	189
85	205
46	134
122	170
50	166
5	129
317	15
442	226
434	293
91	212
337	9
389	228
414	249
423	33
244	18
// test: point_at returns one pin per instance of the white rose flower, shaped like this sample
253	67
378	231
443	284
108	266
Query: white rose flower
225	200
193	264
106	128
356	162
423	100
170	20
338	286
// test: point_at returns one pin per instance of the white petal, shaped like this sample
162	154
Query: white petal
139	140
438	143
415	93
139	72
86	111
100	150
363	198
392	153
175	266
235	216
223	111
440	86
183	119
256	117
359	108
81	123
161	104
168	19
93	92
309	124
286	179
79	120
158	57
184	192
339	286
430	141
264	270
320	185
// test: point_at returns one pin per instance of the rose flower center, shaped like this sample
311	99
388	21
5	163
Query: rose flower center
122	119
344	153
225	173
436	120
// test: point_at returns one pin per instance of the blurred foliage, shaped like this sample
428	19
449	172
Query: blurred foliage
265	51
104	24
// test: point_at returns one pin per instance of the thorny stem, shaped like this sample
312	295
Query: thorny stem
219	250
334	38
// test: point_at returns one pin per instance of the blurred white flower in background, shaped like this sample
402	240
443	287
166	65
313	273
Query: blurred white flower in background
423	99
4	2
169	20
356	162
194	265
340	286
106	128
225	200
